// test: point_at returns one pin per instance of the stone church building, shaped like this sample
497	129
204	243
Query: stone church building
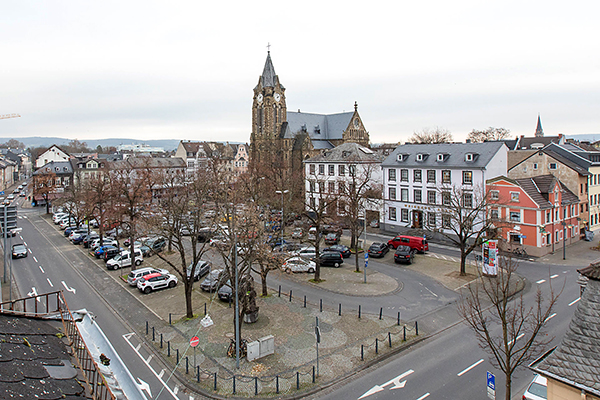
282	139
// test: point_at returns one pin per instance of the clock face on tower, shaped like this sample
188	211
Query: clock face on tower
277	96
259	98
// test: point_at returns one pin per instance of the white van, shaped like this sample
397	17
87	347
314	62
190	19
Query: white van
124	260
135	275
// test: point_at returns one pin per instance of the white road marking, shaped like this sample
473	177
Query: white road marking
464	371
541	281
35	259
68	288
395	381
428	289
424	396
162	372
554	276
29	250
33	293
25	243
138	347
518	337
48	279
444	258
551	316
150	357
41	269
574	301
144	386
176	390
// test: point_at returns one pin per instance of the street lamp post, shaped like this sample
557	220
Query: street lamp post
281	228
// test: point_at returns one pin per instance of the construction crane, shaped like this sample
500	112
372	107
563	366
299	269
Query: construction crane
5	116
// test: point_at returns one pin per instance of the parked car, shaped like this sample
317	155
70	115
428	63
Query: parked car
312	233
156	244
274	242
202	268
105	242
307	252
344	250
288	247
124	259
299	264
58	216
19	250
374	223
146	251
297	233
110	253
331	259
537	389
225	292
99	252
327	229
87	240
156	281
378	249
332	238
211	282
135	275
404	254
418	243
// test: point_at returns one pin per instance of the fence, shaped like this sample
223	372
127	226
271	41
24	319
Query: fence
54	302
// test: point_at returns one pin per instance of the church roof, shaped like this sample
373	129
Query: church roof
538	130
318	126
268	75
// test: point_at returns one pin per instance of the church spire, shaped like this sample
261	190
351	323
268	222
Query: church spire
268	75
539	132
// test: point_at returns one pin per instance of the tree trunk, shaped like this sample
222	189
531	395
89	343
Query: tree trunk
463	259
356	258
188	298
263	282
508	387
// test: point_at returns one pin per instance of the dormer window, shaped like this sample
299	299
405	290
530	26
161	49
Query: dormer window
303	128
402	157
441	157
469	157
421	157
317	129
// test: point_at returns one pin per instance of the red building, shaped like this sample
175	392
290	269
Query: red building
536	214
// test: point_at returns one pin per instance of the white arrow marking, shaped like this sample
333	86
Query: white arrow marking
395	381
68	288
128	335
35	259
33	293
51	285
42	269
144	386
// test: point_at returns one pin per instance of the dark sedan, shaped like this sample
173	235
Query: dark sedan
99	253
378	249
340	248
404	254
19	251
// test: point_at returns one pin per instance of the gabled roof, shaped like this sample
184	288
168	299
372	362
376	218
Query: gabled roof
348	152
56	167
556	152
516	157
529	143
456	155
191	147
538	188
576	360
317	126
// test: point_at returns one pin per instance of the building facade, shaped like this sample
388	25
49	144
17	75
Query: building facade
54	153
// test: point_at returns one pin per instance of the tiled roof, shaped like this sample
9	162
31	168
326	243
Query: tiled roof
35	362
515	157
569	163
526	143
318	126
538	188
348	152
576	360
56	167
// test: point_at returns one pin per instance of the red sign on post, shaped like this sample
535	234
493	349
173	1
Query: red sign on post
194	341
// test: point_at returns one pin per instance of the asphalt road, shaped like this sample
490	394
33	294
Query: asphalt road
55	264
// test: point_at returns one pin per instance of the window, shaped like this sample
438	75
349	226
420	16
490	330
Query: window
311	168
514	196
548	216
190	164
446	199
331	169
321	187
556	236
431	197
446	176
403	175
494	195
469	157
392	213
446	221
467	177
321	169
312	186
331	187
430	176
342	170
431	219
418	197
404	214
535	166
352	170
468	200
515	216
391	174
417	175
312	203
552	165
404	194
419	157
342	187
494	214
392	193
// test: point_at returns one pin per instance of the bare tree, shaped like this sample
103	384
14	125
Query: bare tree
43	184
509	330
488	135
100	198
431	136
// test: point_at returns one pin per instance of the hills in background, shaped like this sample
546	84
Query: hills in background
38	141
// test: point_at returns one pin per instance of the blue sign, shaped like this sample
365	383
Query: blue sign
366	263
366	255
491	381
523	236
2	192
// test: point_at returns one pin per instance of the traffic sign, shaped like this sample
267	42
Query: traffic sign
491	385
366	255
194	341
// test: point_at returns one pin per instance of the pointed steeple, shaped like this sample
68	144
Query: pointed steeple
539	132
268	75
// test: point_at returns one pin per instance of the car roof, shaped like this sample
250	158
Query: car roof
152	275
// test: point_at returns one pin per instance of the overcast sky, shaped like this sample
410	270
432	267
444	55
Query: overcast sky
186	70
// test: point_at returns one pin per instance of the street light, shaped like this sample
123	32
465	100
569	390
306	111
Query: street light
282	215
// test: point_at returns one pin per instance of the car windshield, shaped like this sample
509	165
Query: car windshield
19	247
117	257
538	390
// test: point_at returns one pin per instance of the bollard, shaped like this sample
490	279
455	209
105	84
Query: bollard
398	323
234	384
297	380
205	309
256	385
198	373
215	382
187	365
390	338
146	327
417	328
359	311
277	384
313	374
340	309
290	295
161	346
279	290
169	318
304	301
404	339
376	346
177	356
153	335
380	312
168	348
362	352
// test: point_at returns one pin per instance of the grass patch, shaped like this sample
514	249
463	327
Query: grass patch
185	319
316	281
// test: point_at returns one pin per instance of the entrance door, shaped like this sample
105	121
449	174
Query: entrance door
417	219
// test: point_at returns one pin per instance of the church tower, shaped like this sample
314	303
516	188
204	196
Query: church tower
269	112
539	132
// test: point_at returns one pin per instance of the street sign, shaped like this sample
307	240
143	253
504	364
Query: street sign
366	255
523	236
2	192
491	385
194	341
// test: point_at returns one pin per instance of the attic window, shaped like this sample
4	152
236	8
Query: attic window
317	129
58	169
345	153
469	157
441	157
303	128
64	168
420	157
402	157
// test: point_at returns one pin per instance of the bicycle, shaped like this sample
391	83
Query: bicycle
520	252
